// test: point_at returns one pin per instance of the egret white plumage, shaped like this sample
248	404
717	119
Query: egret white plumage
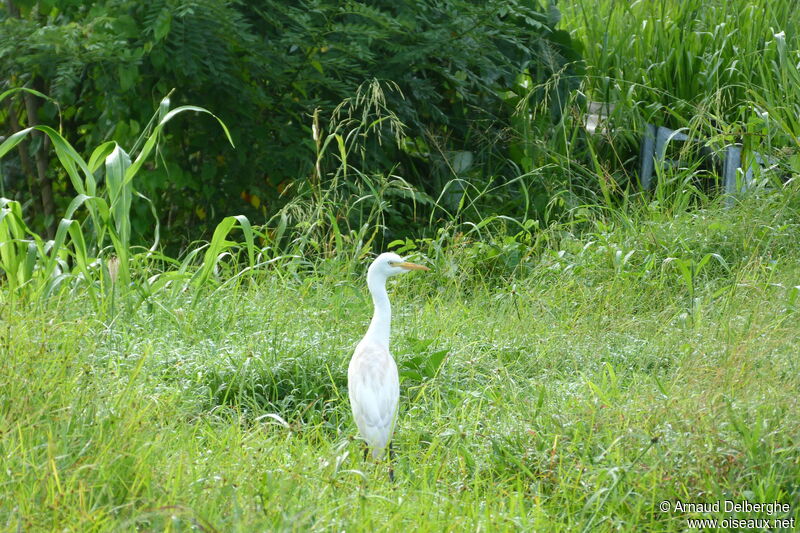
372	380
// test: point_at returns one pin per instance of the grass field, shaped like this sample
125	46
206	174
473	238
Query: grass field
567	374
610	371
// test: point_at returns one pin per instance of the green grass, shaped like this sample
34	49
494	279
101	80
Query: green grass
677	60
568	373
723	72
581	387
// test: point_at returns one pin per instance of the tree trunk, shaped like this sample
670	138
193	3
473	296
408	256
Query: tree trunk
43	180
24	151
12	9
42	162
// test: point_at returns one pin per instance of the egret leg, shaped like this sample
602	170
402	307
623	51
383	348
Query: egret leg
391	462
366	451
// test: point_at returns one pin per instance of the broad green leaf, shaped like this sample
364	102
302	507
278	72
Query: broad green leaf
151	141
120	192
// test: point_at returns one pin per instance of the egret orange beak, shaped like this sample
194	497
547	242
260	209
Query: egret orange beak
412	266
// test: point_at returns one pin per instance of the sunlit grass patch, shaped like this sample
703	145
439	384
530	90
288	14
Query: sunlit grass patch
576	392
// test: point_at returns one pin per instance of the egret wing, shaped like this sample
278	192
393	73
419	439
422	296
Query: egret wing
374	390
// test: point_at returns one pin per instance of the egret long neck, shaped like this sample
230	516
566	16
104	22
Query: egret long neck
380	326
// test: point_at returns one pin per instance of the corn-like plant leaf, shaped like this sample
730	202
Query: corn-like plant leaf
69	158
157	222
98	203
219	245
11	246
100	153
9	92
25	256
117	163
31	256
151	141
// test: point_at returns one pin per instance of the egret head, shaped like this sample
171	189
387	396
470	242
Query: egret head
390	264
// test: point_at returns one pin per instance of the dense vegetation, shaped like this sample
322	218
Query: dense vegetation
580	352
275	71
528	402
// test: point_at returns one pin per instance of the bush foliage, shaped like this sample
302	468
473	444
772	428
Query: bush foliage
265	68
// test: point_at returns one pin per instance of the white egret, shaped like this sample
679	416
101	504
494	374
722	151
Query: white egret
372	380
